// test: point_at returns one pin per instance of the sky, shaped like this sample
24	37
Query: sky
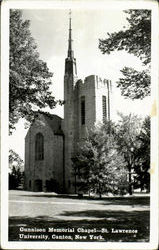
49	28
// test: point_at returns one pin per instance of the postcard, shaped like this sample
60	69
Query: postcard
79	122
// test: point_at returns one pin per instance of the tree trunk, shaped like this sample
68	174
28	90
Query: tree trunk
130	184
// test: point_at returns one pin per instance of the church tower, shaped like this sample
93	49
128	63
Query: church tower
51	143
86	103
70	79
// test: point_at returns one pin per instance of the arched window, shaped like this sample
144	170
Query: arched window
39	147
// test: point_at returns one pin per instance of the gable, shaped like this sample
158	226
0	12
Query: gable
46	122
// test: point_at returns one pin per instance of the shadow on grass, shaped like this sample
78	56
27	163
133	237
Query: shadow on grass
126	200
134	220
118	216
133	201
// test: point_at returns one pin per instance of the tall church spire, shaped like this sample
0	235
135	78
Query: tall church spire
70	51
70	61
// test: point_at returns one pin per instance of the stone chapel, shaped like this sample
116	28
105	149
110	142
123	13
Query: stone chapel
51	141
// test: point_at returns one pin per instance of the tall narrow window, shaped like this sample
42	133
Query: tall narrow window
82	110
104	105
39	147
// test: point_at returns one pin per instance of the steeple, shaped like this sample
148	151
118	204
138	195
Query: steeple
70	61
70	51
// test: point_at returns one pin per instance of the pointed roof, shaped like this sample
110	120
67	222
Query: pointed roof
54	121
70	51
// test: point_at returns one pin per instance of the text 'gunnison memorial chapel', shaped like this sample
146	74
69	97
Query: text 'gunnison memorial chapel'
51	142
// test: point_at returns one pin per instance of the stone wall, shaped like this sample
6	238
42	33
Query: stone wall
69	128
93	88
86	89
102	89
60	148
51	167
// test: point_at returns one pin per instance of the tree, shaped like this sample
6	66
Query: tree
16	169
127	130
136	40
114	157
98	165
135	84
143	157
133	139
29	76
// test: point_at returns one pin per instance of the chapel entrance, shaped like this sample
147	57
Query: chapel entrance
38	185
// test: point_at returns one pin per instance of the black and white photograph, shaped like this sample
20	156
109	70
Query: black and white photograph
82	114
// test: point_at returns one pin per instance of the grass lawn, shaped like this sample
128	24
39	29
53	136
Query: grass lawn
102	218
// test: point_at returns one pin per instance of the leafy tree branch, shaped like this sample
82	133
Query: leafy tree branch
29	76
136	40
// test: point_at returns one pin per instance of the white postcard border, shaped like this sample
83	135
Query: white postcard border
6	5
